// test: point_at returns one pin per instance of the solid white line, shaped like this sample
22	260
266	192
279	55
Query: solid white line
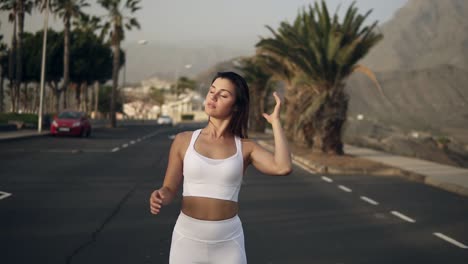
4	195
326	179
451	240
344	188
115	149
369	200
404	217
124	145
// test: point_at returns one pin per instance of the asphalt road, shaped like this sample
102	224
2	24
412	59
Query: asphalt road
85	200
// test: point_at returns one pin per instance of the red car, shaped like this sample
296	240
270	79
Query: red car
73	123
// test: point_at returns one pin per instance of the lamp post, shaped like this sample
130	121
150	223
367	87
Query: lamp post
44	49
124	79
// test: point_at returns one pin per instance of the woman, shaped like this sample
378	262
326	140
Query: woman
211	162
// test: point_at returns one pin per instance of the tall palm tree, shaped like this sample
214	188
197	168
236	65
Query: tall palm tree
90	24
3	54
281	70
117	22
67	10
325	52
16	9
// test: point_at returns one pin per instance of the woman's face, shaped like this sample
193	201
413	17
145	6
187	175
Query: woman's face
220	98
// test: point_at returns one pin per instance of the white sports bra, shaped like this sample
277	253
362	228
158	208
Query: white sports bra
213	178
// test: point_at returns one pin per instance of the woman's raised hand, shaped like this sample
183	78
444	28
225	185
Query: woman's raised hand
274	117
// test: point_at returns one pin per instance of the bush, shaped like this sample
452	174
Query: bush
29	119
187	117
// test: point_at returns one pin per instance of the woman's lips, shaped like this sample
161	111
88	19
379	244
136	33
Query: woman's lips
211	105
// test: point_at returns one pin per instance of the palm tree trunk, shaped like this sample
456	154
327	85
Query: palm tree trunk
19	50
66	59
96	99
2	92
331	118
78	95
115	76
86	97
37	91
291	113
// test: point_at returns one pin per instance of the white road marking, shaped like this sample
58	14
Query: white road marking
344	188
404	217
132	142
303	167
450	240
171	136
138	140
327	179
369	200
124	145
115	149
4	195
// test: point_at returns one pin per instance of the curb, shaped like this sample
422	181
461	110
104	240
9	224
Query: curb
16	137
389	171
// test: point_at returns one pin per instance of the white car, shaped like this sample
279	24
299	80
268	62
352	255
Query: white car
164	120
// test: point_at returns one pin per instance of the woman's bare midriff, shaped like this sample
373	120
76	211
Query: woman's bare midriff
208	208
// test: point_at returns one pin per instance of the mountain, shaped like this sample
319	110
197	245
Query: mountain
422	34
168	62
422	66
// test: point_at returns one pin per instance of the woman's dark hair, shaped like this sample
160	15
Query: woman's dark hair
240	118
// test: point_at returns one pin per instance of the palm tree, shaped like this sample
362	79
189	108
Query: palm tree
325	52
67	10
281	70
256	75
116	24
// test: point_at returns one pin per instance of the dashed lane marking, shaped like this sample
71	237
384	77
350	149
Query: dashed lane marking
404	217
124	145
327	179
4	195
369	200
344	188
450	240
115	149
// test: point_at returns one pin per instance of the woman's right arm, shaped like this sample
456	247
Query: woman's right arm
166	194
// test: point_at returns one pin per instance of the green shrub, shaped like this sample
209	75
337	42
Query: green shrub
30	119
26	118
187	116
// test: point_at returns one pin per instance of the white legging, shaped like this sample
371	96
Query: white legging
207	242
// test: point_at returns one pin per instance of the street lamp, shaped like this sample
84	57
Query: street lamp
44	45
124	79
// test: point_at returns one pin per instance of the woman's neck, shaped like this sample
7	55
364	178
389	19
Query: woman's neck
217	129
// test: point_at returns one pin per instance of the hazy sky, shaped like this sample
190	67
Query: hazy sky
215	22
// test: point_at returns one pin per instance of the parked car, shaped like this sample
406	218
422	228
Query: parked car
164	120
74	123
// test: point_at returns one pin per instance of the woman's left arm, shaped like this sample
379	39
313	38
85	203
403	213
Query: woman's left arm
278	163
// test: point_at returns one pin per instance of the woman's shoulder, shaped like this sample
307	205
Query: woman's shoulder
248	144
183	137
